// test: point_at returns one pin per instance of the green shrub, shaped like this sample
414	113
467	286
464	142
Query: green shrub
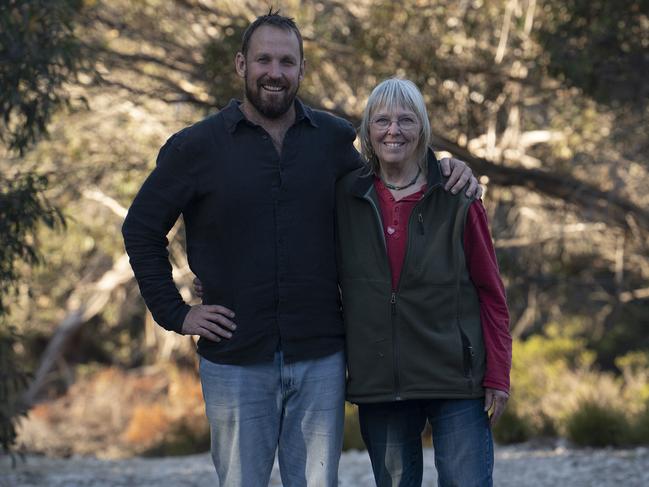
545	376
640	428
512	428
555	373
635	372
598	425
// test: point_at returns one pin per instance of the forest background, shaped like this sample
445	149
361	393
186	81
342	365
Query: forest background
547	100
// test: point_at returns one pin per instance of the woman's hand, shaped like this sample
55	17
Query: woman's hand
495	401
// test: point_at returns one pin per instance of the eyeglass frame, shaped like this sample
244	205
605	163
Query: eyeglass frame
399	121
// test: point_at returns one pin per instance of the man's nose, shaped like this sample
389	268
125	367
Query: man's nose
274	70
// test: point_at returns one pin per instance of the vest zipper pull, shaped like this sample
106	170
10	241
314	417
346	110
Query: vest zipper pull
393	302
420	218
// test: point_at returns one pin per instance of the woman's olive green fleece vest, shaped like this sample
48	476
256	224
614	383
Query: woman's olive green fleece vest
424	339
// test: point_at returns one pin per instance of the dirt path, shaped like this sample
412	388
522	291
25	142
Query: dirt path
516	466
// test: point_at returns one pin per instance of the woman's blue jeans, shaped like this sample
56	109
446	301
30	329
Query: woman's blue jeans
296	409
461	439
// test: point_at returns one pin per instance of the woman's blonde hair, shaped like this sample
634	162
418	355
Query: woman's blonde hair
391	94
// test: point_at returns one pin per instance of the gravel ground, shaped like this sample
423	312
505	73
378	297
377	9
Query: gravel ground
519	466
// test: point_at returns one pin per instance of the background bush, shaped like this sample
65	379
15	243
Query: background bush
557	390
512	428
598	425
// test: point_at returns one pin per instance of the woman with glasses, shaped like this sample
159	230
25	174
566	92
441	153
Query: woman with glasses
425	311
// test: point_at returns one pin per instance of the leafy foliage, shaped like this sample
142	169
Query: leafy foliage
23	207
600	47
13	382
39	54
558	390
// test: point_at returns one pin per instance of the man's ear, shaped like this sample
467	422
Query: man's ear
302	68
240	64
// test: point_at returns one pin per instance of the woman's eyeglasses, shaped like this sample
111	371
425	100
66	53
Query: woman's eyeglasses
405	123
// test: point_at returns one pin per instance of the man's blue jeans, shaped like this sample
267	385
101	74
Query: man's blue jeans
461	438
296	409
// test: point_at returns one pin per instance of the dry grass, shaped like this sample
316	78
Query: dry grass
114	413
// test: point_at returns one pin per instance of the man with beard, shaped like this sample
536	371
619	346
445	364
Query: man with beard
255	184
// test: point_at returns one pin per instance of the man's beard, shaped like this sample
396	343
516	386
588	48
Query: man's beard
276	106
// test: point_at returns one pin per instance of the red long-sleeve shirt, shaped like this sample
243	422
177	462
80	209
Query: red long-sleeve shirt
483	270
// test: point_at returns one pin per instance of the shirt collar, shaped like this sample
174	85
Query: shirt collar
304	112
232	114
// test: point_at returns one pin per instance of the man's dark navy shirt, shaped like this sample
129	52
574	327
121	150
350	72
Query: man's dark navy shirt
259	230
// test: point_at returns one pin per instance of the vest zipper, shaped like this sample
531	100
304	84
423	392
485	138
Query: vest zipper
377	214
393	300
395	346
393	295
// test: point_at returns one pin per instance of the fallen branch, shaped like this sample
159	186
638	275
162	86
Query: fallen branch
591	200
82	305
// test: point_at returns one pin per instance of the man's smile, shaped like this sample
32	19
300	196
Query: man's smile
273	88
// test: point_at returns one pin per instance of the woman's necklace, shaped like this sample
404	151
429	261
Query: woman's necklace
394	187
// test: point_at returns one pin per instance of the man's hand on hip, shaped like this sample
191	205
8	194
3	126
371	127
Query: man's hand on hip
210	321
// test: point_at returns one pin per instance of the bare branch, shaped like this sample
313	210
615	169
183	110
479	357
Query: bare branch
642	293
504	33
107	201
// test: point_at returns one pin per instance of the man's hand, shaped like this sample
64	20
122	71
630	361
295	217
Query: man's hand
209	321
459	174
495	400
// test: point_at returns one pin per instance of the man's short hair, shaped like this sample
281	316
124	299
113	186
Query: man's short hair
273	19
